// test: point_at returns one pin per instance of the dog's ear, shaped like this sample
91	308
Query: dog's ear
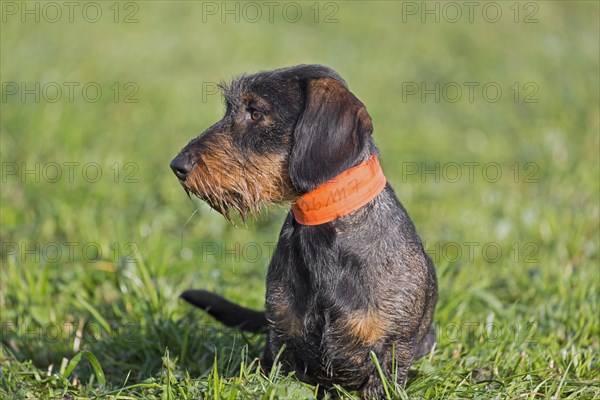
330	134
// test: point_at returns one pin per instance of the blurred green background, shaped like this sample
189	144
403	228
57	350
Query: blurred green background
112	245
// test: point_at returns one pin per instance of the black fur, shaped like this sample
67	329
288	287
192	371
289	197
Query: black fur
227	312
338	291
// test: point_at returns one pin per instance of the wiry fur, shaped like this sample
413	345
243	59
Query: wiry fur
339	292
244	185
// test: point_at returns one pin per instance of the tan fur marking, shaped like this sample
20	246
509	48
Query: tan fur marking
228	180
247	97
369	327
285	320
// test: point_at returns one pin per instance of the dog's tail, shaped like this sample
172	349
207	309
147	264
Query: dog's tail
226	312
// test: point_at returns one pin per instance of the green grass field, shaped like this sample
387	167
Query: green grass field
487	118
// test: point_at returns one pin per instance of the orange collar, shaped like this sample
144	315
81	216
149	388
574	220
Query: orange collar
342	195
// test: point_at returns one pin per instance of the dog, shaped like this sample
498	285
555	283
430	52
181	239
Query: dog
349	283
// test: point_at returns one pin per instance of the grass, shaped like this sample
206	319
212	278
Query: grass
92	263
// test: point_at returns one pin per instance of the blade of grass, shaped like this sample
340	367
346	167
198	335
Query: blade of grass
93	362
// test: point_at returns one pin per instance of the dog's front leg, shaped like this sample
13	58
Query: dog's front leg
373	388
266	361
404	354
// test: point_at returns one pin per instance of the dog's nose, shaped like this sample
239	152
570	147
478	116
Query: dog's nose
182	166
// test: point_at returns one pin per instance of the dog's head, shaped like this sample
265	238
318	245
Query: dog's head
284	132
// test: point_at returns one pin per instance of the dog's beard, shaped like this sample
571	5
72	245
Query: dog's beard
246	194
223	202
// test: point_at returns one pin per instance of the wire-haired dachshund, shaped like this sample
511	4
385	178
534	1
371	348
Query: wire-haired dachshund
349	282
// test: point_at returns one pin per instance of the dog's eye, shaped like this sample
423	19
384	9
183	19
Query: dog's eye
254	114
